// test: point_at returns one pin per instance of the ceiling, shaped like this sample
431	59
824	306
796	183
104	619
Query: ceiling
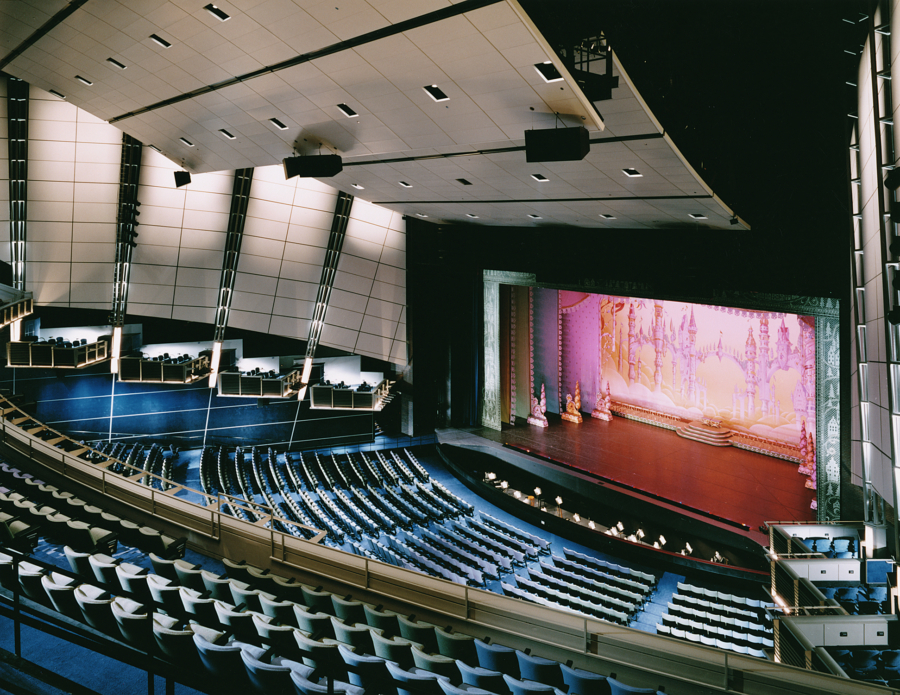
296	60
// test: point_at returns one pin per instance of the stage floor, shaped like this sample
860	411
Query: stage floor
732	483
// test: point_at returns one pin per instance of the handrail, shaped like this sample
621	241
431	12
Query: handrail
594	643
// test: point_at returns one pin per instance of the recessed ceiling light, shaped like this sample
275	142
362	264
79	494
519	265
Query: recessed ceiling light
226	134
465	182
404	184
160	41
607	217
57	94
697	216
469	214
83	80
186	142
632	173
539	177
115	62
216	12
278	124
419	214
536	217
435	92
347	111
356	185
548	71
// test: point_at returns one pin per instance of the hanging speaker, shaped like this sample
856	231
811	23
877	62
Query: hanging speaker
318	165
557	144
182	178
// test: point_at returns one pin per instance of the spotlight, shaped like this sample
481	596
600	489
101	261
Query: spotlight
558	501
503	484
517	494
491	476
591	525
687	546
656	544
892	180
662	539
893	316
577	518
537	492
620	526
639	533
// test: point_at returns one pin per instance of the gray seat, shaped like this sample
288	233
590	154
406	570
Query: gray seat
438	664
104	568
79	563
279	637
30	582
264	678
419	631
368	672
314	624
282	611
240	623
478	677
357	636
317	600
60	591
386	621
396	649
424	682
165	594
134	622
322	652
218	587
456	645
96	606
164	568
133	579
189	575
223	663
348	610
200	609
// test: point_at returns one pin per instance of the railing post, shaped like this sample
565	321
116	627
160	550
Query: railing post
727	680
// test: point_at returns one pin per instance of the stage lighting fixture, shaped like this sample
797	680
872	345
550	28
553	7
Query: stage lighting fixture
662	539
687	546
537	492
517	494
656	544
182	178
631	538
503	484
893	316
892	180
577	518
558	501
639	533
491	476
620	526
591	525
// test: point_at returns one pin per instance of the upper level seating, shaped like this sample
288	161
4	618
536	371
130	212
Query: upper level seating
859	599
871	665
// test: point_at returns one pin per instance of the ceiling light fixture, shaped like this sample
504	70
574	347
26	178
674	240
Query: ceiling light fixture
435	93
83	80
186	142
607	217
536	217
57	94
347	111
159	40
115	62
548	71
469	214
226	134
465	182
216	12
632	173
419	214
404	184
697	216
540	178
278	124
356	185
154	147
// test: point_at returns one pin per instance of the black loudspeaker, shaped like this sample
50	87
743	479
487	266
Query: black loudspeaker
182	178
892	180
313	165
557	144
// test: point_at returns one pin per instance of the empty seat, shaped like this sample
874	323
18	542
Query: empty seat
104	568
78	562
483	678
317	600
420	632
60	591
218	587
617	687
367	672
348	610
357	636
456	645
322	653
237	570
134	622
96	607
265	678
518	687
437	663
244	593
279	637
304	686
223	663
386	621
240	623
189	575
165	594
198	606
30	582
396	649
539	669
450	689
163	567
282	611
425	683
133	579
496	657
581	682
314	624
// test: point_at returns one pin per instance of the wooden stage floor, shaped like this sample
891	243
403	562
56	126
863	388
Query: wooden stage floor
732	483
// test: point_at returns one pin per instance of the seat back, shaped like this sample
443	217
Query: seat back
60	591
396	649
386	621
580	682
456	645
482	678
423	684
420	632
496	657
438	664
266	678
369	672
619	688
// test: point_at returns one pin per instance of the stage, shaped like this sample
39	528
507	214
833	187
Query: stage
731	483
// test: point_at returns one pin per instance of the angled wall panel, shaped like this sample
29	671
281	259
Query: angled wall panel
73	178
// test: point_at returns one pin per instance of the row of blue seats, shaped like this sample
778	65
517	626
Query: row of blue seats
871	665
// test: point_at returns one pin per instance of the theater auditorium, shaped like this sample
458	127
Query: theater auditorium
486	346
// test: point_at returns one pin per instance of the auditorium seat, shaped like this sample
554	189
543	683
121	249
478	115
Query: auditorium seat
539	669
279	637
223	663
237	570
239	623
104	569
164	567
425	683
246	594
617	687
95	604
265	678
581	682
189	575
197	606
304	686
456	645
60	591
282	611
316	600
366	671
321	652
348	610
483	678
386	621
165	594
437	663
520	687
418	631
79	563
496	657
218	587
133	579
396	649
30	582
358	636
133	621
450	689
315	624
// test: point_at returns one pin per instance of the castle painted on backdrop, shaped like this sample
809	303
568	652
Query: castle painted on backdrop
752	370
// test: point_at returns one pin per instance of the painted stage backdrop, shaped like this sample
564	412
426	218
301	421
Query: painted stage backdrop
753	370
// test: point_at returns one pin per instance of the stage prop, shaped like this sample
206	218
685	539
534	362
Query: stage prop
538	408
573	406
601	407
